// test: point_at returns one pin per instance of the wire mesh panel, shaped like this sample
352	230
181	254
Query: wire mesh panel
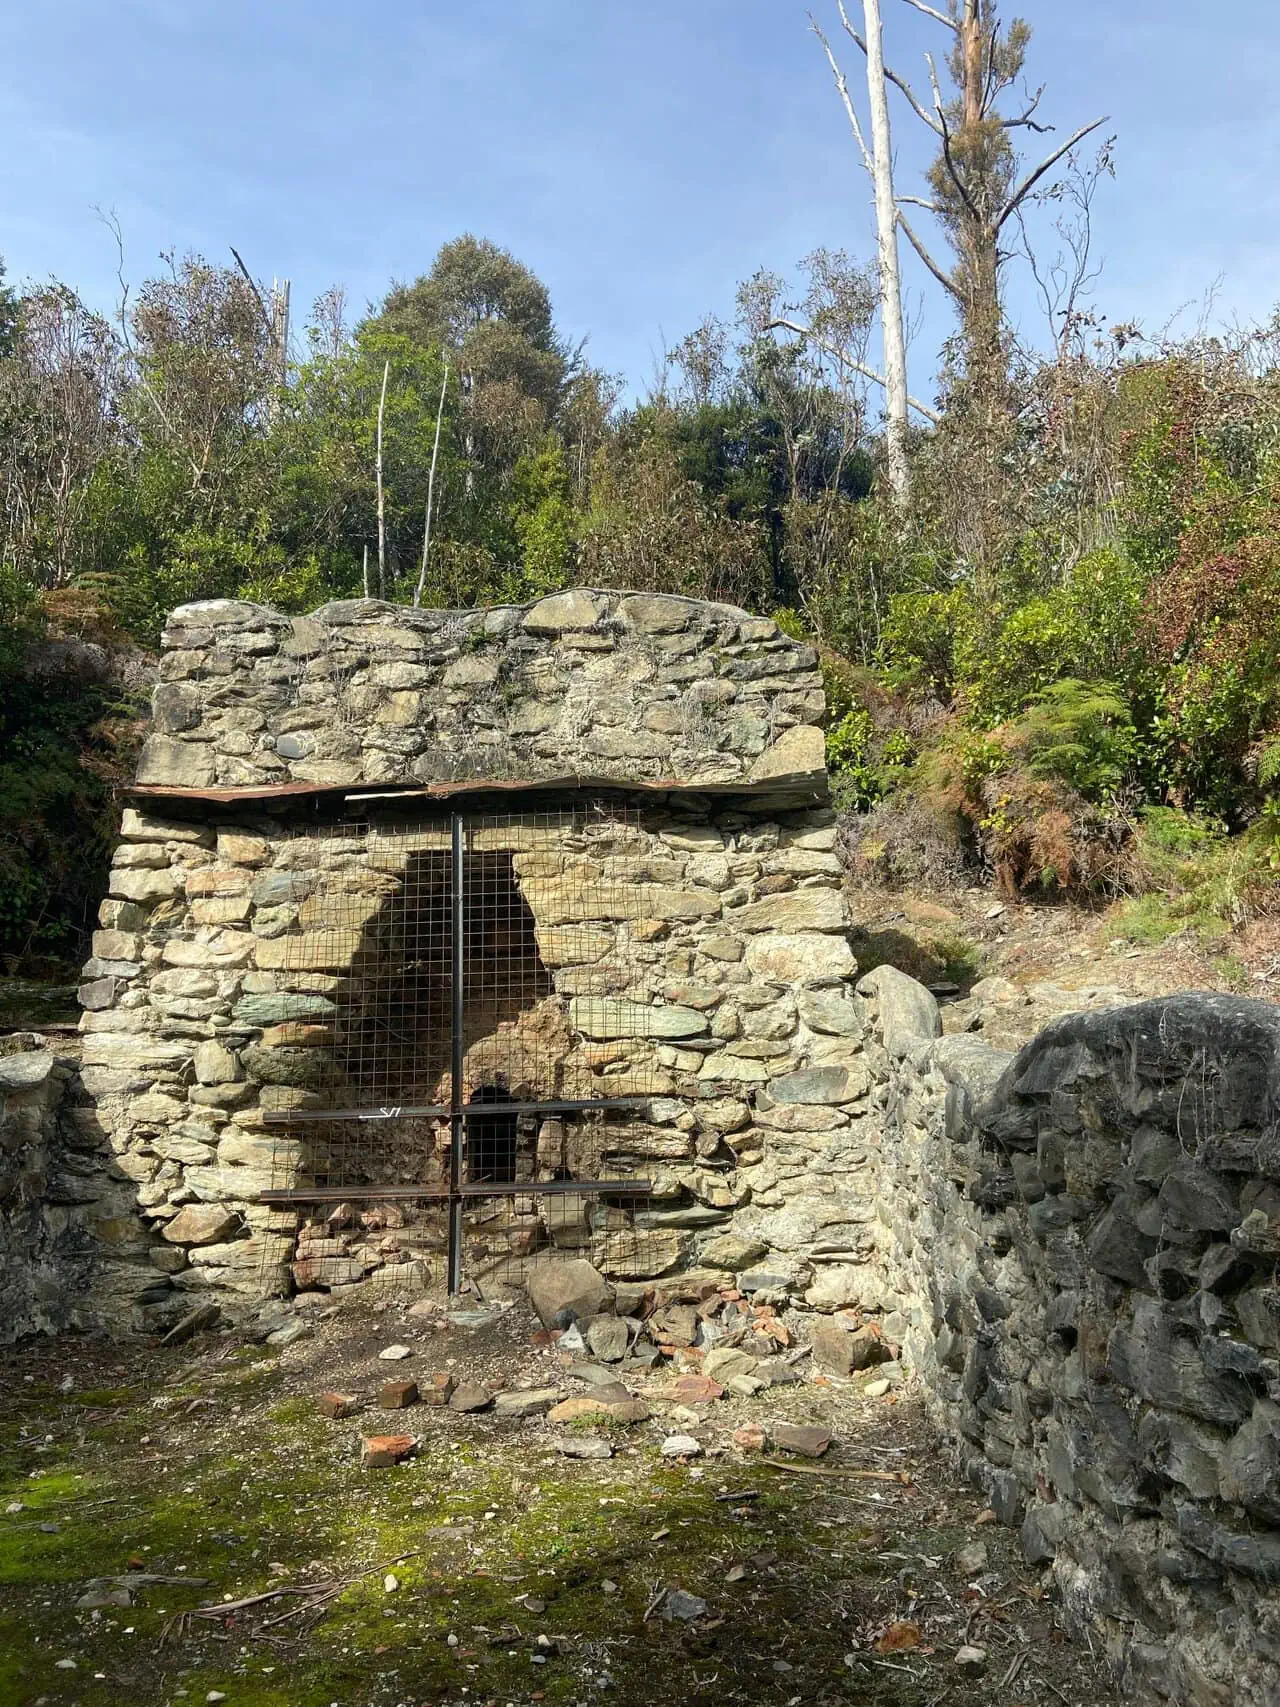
468	1027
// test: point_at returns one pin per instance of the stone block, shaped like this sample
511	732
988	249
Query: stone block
117	945
908	1014
565	1292
832	1014
215	1064
223	950
604	1017
805	1440
137	826
312	951
563	613
798	753
236	849
25	1070
733	1251
815	1085
176	764
145	885
274	1009
525	1402
802	957
656	613
796	910
201	1224
842	1348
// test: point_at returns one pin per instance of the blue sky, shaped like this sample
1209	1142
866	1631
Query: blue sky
641	157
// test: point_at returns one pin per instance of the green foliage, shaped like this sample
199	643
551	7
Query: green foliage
922	636
850	761
59	755
1079	733
545	520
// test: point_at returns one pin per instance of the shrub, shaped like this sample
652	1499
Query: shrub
905	842
1079	733
921	636
1042	838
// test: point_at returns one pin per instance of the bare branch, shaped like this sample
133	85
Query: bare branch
945	134
938	17
431	484
1032	178
846	360
898	82
843	86
920	201
1026	118
946	283
252	283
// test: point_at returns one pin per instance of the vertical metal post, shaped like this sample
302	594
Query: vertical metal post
456	1139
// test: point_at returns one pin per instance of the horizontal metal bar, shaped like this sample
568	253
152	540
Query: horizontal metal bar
427	1193
483	1110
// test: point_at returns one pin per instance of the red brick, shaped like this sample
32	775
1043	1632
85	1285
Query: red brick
395	1395
380	1450
338	1404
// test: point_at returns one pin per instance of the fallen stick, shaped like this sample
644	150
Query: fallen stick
901	1477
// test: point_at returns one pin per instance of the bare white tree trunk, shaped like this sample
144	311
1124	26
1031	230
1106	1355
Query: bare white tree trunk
895	346
366	568
382	506
431	487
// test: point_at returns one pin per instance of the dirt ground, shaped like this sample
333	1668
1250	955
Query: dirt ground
489	1567
959	936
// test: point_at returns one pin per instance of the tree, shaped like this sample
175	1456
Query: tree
61	384
978	182
878	160
491	316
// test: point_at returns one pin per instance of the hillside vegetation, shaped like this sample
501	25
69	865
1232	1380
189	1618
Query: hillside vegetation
1048	609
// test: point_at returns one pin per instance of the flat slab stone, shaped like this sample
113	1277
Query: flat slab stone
25	1071
801	1438
597	1404
533	1402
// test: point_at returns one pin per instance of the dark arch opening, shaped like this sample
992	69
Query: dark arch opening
491	1138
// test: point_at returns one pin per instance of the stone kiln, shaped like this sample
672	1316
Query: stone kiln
419	915
1076	1249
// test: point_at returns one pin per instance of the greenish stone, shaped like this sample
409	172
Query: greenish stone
272	1009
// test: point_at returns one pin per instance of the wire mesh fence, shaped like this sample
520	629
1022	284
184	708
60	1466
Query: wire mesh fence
465	1038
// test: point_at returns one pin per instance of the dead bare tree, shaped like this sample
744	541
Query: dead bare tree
431	487
878	161
978	184
382	496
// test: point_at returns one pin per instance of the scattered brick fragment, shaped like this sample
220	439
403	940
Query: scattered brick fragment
338	1404
802	1438
379	1451
437	1389
396	1395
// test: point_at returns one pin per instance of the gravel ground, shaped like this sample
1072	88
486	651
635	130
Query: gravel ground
489	1567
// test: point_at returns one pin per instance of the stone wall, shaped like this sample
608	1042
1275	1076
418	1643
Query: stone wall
1078	1249
695	959
603	685
69	1235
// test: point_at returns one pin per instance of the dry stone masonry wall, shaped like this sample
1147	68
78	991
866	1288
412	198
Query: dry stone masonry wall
718	992
68	1223
610	686
1079	1248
